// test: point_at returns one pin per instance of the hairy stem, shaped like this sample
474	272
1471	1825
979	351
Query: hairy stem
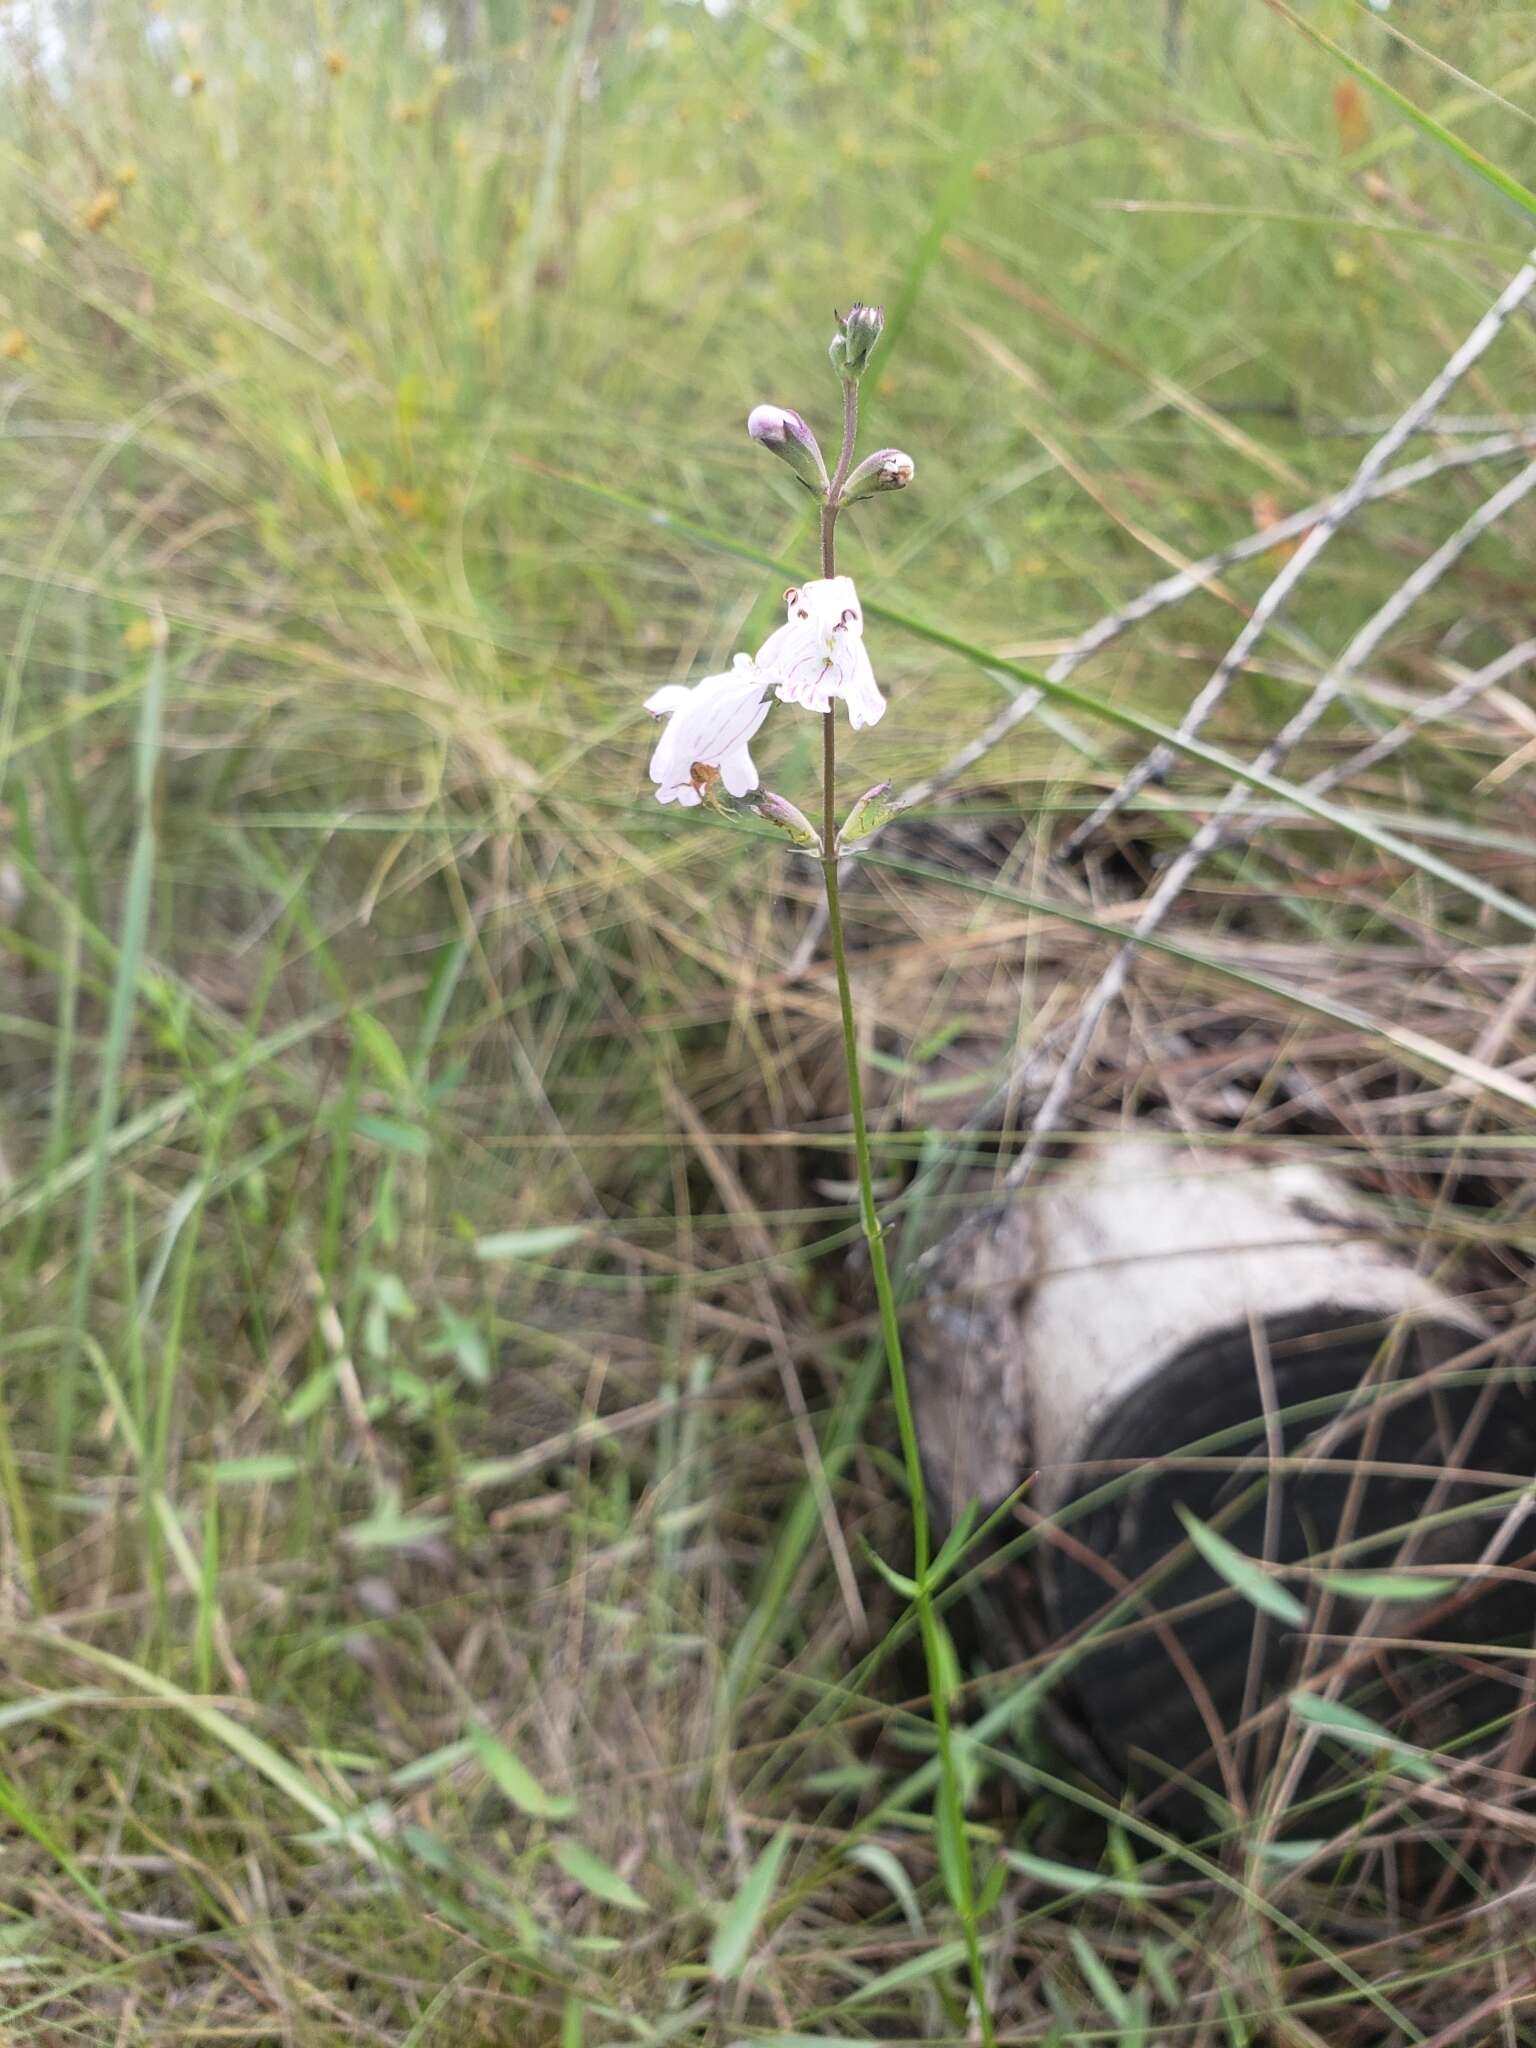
951	1818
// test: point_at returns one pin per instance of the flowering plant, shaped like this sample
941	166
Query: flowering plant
815	661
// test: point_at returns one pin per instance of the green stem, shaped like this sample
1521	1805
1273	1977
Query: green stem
952	1815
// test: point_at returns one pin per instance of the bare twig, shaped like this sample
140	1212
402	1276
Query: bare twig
1171	590
1339	509
1467	691
1213	832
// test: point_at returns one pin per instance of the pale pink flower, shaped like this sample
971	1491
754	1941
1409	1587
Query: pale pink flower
818	654
710	723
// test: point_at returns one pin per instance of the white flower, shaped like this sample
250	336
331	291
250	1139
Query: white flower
819	654
711	724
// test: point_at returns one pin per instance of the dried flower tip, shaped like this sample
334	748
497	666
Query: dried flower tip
13	344
873	811
853	344
335	62
780	429
886	470
101	209
797	827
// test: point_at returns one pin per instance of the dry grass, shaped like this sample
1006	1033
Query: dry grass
438	1429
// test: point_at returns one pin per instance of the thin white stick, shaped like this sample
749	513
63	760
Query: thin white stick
1212	833
1170	590
1348	500
1466	692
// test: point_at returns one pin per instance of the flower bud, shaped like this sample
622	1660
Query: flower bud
853	344
781	429
796	826
886	470
873	810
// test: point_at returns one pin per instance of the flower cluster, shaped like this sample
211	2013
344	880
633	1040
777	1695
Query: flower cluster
817	658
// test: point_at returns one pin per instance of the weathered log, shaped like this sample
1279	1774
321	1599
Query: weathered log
1149	1332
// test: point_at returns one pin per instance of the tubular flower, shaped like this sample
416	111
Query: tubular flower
818	654
709	726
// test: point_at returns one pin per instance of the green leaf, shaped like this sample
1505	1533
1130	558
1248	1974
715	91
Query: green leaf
389	1529
892	1874
1386	1586
262	1470
898	1581
528	1244
1099	1981
311	1395
948	1955
392	1134
1360	1732
596	1877
464	1342
953	1545
737	1932
1067	1877
1240	1571
384	1056
513	1779
421	1770
797	2041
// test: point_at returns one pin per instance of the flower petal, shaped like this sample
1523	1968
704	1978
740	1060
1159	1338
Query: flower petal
862	695
709	724
667	698
738	772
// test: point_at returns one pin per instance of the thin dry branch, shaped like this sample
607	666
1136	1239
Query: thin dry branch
1471	686
1171	590
1214	832
1354	494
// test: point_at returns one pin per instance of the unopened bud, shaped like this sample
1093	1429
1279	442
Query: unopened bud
793	823
853	344
781	429
886	470
873	810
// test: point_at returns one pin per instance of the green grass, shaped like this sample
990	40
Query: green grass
421	1184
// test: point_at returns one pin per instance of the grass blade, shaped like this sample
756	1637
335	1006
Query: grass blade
1239	1570
1474	159
135	926
737	1932
513	1779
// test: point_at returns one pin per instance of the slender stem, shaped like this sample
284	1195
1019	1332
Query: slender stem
952	1816
834	500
